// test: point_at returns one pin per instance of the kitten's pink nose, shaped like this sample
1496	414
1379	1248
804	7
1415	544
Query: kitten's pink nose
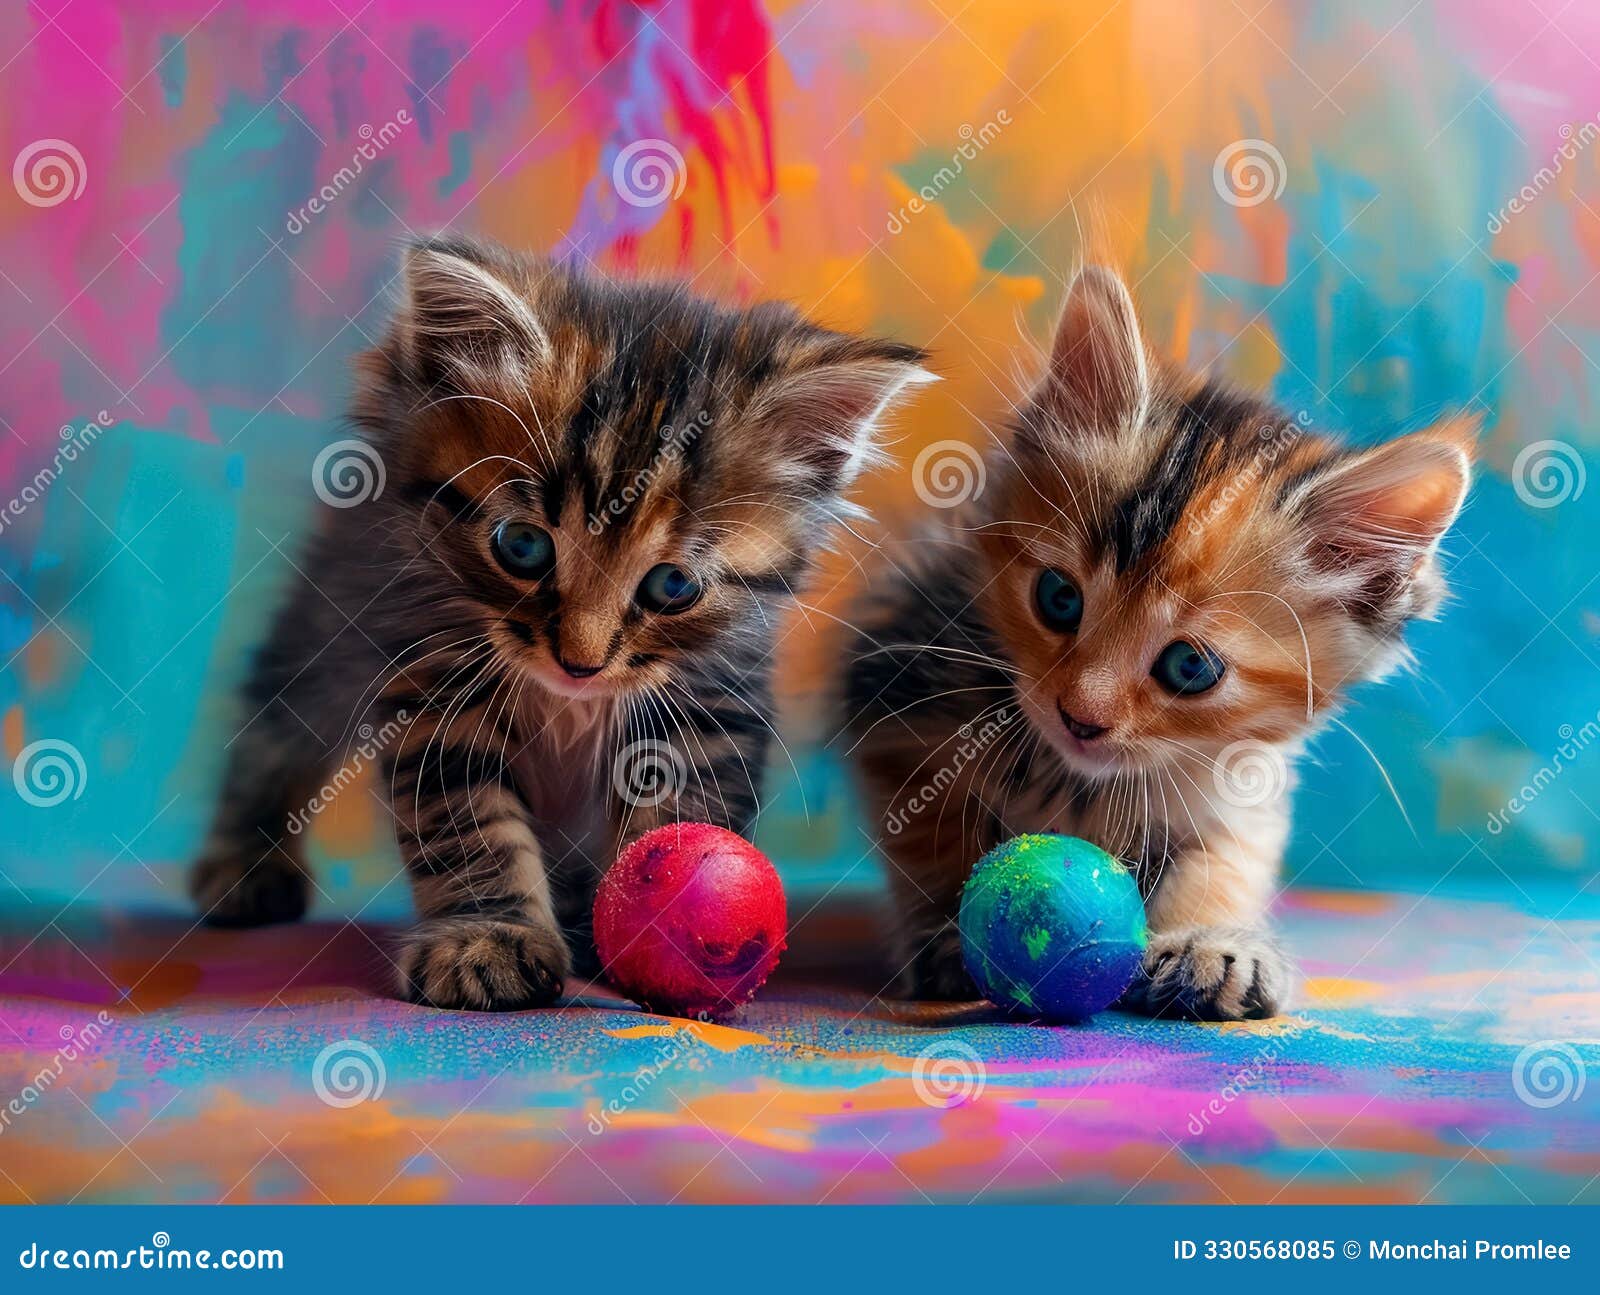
1082	729
580	671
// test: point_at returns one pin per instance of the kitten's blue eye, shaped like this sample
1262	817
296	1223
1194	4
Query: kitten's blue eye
1184	669
668	589
1060	602
523	549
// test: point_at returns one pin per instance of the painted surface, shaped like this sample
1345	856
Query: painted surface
1408	1076
217	238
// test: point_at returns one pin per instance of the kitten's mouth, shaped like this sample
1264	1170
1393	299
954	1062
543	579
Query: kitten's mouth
1088	755
1090	758
553	679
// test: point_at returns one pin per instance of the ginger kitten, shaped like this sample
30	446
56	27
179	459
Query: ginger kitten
1165	587
560	611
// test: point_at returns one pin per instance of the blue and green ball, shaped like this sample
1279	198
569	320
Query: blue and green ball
1052	926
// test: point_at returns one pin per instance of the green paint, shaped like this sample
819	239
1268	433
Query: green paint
460	145
1037	941
174	73
1003	249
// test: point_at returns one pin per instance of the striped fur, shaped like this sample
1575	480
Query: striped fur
1183	511
635	425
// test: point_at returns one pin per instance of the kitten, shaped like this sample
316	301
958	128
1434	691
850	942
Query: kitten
1163	588
559	613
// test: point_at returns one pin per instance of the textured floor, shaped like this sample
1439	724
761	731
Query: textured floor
144	1060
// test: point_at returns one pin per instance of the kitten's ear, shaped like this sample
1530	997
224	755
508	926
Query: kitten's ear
1099	376
464	319
825	412
1376	518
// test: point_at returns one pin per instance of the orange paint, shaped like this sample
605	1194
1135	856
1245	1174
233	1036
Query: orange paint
723	1038
1335	991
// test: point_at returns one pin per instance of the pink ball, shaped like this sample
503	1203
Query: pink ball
690	920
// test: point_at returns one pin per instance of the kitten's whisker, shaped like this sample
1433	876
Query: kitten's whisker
934	751
958	654
489	400
1382	772
750	780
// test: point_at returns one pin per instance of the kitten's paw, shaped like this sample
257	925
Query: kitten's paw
936	972
482	964
1211	973
235	890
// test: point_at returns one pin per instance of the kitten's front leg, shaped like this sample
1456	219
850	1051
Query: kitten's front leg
1211	955
488	939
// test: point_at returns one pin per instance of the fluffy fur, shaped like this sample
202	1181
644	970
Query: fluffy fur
1183	512
539	721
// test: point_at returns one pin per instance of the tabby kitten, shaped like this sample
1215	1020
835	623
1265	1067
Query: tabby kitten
561	608
1163	589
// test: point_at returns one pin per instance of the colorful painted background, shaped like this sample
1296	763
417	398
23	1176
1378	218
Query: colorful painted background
1379	212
